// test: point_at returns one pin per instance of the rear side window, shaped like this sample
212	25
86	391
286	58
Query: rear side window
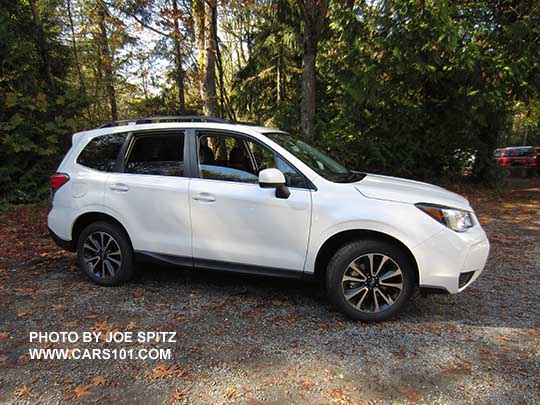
157	154
102	152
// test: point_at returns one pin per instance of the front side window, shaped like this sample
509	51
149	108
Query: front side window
231	158
101	153
157	154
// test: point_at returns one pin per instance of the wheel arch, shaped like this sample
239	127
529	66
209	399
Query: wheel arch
333	243
90	217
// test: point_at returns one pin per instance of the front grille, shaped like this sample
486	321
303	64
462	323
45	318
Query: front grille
464	278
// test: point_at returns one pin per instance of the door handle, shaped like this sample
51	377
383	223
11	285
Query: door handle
119	187
205	197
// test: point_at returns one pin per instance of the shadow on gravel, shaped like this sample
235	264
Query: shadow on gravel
478	306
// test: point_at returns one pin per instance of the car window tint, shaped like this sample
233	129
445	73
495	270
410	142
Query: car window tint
226	173
266	159
159	154
101	153
224	157
292	177
233	158
523	152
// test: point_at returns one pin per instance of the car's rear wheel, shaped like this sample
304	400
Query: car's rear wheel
105	254
370	280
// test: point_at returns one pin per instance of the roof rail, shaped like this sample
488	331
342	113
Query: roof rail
172	118
248	123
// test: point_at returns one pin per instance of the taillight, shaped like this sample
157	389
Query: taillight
58	180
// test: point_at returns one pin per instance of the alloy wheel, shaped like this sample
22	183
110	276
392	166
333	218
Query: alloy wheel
372	282
102	254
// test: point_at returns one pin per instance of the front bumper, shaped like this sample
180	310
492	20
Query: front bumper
451	260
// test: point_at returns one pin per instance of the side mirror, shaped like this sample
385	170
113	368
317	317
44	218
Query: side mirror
273	178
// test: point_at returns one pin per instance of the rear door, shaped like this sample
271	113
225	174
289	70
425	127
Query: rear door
150	193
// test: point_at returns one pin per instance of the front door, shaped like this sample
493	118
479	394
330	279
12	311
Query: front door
236	222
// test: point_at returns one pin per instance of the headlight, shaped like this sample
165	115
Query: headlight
457	220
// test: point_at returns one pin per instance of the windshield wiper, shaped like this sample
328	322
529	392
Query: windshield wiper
351	176
358	175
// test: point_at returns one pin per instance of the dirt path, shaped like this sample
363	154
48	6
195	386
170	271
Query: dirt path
249	340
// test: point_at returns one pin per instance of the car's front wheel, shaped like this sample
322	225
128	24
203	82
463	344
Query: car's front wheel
370	280
105	254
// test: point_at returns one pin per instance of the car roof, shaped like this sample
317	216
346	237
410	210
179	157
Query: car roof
200	119
128	126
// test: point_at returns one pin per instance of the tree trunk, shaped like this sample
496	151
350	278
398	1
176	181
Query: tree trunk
106	59
314	14
279	74
209	72
178	59
309	96
75	50
42	43
198	17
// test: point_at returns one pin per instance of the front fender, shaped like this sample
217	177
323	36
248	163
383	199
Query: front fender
401	221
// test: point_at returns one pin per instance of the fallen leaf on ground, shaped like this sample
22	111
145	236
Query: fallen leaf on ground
230	393
71	324
23	392
308	385
82	390
24	314
104	327
4	335
131	325
164	371
100	381
25	289
177	394
338	396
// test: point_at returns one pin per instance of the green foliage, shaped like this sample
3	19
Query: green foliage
414	88
36	117
417	88
267	88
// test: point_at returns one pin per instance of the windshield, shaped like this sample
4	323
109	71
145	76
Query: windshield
316	160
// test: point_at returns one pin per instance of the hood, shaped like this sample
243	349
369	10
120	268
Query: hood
409	191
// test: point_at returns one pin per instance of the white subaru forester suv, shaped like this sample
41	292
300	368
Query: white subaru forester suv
205	193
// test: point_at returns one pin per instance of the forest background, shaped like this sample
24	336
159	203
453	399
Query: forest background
424	89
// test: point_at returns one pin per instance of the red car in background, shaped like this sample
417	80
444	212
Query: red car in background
518	157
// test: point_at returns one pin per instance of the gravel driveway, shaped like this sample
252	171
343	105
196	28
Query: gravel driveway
252	340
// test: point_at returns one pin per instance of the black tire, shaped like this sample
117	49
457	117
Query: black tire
360	254
98	270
